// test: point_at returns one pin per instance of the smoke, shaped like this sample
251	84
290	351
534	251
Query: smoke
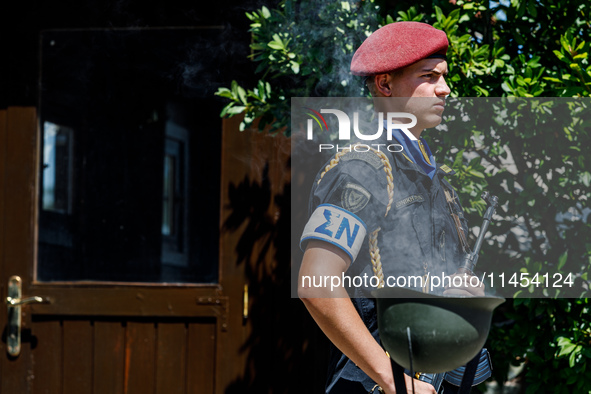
198	72
328	33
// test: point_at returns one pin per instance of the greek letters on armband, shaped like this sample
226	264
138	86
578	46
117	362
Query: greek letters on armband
337	226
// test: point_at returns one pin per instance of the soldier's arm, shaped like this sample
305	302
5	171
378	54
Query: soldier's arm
336	316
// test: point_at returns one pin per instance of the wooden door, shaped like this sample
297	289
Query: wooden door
94	336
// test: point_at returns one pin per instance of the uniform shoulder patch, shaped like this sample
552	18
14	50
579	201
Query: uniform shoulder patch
354	197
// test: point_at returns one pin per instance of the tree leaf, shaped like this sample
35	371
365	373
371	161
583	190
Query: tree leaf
265	12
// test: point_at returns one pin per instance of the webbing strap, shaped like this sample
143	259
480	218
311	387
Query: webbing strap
469	374
398	373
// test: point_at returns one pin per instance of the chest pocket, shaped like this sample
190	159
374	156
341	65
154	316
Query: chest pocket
412	226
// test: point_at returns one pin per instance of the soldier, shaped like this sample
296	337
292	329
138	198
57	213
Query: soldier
405	60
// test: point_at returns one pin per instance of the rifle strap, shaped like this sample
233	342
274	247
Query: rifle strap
398	373
469	374
456	219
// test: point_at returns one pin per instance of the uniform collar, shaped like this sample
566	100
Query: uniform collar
407	162
413	152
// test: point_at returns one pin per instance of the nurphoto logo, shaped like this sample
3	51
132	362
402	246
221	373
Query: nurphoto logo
393	122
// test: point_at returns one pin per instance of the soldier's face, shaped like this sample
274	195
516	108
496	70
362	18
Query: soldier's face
421	90
425	78
424	84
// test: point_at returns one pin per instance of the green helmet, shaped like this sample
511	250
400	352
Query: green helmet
445	332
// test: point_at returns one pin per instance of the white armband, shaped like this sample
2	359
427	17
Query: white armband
337	226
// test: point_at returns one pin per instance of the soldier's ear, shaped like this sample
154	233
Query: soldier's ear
382	85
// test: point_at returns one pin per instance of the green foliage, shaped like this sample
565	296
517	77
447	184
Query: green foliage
531	158
521	48
554	341
302	49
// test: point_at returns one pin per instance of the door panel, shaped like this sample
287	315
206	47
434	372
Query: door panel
171	374
140	365
109	341
76	338
110	357
202	340
47	379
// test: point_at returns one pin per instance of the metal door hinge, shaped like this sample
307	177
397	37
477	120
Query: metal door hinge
219	306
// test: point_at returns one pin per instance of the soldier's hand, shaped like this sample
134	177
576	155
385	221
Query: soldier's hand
464	285
420	387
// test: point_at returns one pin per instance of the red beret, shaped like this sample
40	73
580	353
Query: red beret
398	45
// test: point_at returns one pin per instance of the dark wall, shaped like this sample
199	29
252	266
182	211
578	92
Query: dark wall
22	21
